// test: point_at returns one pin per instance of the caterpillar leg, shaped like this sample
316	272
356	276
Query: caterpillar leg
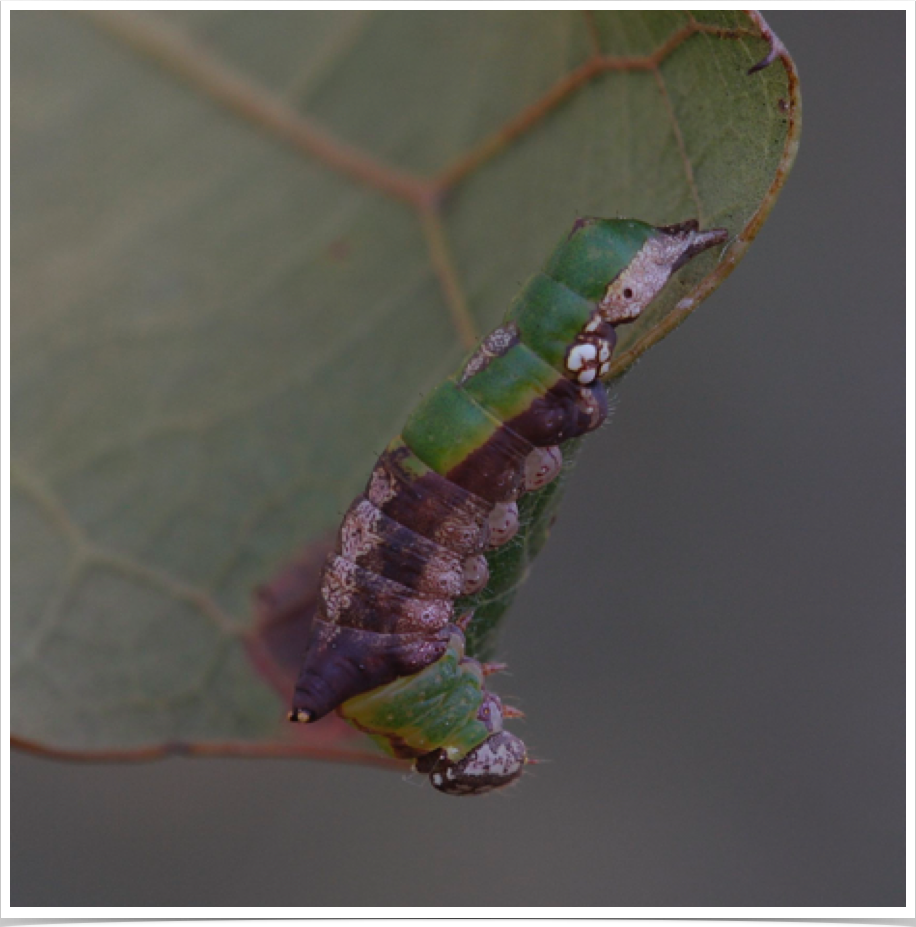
476	574
504	523
542	466
592	407
462	622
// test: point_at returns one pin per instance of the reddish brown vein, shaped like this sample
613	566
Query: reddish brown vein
594	37
587	71
210	76
681	145
236	749
441	256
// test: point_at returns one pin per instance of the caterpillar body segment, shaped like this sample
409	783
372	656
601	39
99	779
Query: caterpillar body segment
386	649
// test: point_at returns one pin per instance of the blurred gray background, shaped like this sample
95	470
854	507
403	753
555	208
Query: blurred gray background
736	735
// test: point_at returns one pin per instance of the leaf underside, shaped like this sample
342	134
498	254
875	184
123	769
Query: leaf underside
243	245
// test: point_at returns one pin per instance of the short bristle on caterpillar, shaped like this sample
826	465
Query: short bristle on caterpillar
386	649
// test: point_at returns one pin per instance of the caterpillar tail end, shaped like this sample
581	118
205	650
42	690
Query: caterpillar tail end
299	716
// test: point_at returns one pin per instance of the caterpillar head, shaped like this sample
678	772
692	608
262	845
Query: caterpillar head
622	264
499	760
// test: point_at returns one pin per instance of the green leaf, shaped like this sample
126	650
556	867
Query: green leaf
243	244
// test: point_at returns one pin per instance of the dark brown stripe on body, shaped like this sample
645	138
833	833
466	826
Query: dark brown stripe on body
568	410
372	540
359	598
495	470
430	505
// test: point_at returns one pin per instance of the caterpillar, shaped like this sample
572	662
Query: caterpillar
387	647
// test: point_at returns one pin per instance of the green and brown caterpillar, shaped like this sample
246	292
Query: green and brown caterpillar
387	648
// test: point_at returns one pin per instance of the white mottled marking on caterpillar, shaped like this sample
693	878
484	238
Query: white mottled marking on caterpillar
381	488
588	358
358	533
579	356
336	588
639	283
497	343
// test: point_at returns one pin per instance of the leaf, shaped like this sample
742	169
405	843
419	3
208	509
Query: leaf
243	244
